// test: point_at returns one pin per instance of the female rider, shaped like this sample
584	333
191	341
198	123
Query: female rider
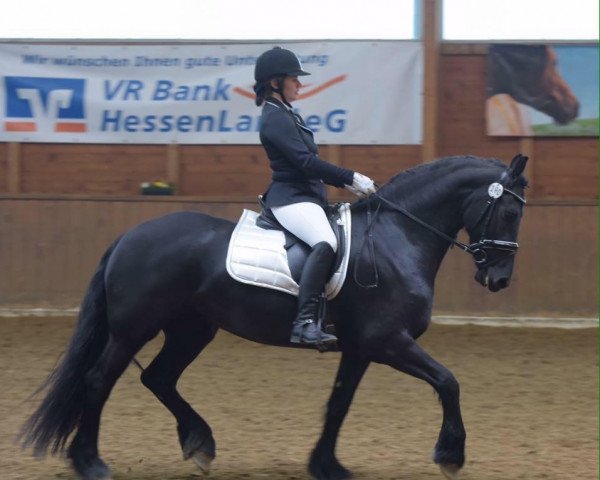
297	194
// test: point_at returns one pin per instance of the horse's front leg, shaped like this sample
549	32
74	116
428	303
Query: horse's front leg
403	353
323	464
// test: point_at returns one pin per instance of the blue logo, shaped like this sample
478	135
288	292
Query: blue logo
39	104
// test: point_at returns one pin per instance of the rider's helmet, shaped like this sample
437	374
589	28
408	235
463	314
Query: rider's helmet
277	62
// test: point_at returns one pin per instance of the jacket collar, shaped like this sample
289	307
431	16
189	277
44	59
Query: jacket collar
277	103
297	118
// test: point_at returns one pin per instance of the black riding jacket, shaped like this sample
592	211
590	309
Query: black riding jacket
298	172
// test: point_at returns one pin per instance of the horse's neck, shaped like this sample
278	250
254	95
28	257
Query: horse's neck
437	200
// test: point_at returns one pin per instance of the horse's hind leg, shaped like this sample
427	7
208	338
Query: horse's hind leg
99	381
405	354
183	343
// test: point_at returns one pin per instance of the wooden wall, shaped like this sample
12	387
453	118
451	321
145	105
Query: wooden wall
49	249
237	171
560	169
61	204
556	269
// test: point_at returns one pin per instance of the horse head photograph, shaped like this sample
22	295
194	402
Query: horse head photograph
526	75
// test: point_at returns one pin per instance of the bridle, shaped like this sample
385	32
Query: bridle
479	250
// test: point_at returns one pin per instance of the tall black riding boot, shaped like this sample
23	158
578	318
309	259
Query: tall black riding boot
312	284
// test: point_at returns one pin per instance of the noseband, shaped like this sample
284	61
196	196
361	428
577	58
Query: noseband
478	250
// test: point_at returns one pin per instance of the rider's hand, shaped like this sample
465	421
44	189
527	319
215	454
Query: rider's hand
361	185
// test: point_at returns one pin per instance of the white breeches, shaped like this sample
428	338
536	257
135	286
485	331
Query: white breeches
307	221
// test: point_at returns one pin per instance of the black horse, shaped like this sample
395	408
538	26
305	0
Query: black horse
169	274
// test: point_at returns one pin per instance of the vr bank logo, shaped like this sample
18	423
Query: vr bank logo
36	104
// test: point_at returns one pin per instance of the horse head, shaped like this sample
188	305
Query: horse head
492	218
530	75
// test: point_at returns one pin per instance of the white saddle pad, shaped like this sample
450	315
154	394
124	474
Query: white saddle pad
257	256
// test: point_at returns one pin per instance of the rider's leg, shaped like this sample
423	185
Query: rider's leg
309	223
312	282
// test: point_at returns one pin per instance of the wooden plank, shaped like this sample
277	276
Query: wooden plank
14	168
564	172
4	167
173	164
51	168
471	48
333	154
237	185
382	162
233	159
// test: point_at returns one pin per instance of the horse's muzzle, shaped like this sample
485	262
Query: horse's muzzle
566	111
499	284
492	282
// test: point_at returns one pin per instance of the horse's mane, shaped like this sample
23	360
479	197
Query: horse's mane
425	170
416	183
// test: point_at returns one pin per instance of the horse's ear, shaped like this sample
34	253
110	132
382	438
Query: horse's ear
517	166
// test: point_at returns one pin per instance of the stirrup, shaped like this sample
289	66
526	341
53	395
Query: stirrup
322	338
298	330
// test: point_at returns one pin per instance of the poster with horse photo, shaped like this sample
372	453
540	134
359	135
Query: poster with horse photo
542	90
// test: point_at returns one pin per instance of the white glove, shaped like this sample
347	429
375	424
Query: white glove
361	185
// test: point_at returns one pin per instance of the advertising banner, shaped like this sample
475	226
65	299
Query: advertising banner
542	90
359	92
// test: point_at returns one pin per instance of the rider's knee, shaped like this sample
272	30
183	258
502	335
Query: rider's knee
332	241
333	245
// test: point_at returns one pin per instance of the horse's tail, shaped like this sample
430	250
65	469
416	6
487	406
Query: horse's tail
60	412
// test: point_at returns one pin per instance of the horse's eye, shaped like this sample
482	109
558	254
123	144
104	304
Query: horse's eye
510	215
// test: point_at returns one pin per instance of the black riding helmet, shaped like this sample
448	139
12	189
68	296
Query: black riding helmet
277	62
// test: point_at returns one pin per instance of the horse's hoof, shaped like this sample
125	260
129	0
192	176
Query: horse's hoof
203	461
91	468
450	471
108	477
330	469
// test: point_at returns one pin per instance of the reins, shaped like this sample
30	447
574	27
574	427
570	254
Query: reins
439	233
368	235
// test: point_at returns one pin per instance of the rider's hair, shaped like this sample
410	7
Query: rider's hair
264	89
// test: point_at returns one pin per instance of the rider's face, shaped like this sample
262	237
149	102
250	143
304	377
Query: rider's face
291	88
